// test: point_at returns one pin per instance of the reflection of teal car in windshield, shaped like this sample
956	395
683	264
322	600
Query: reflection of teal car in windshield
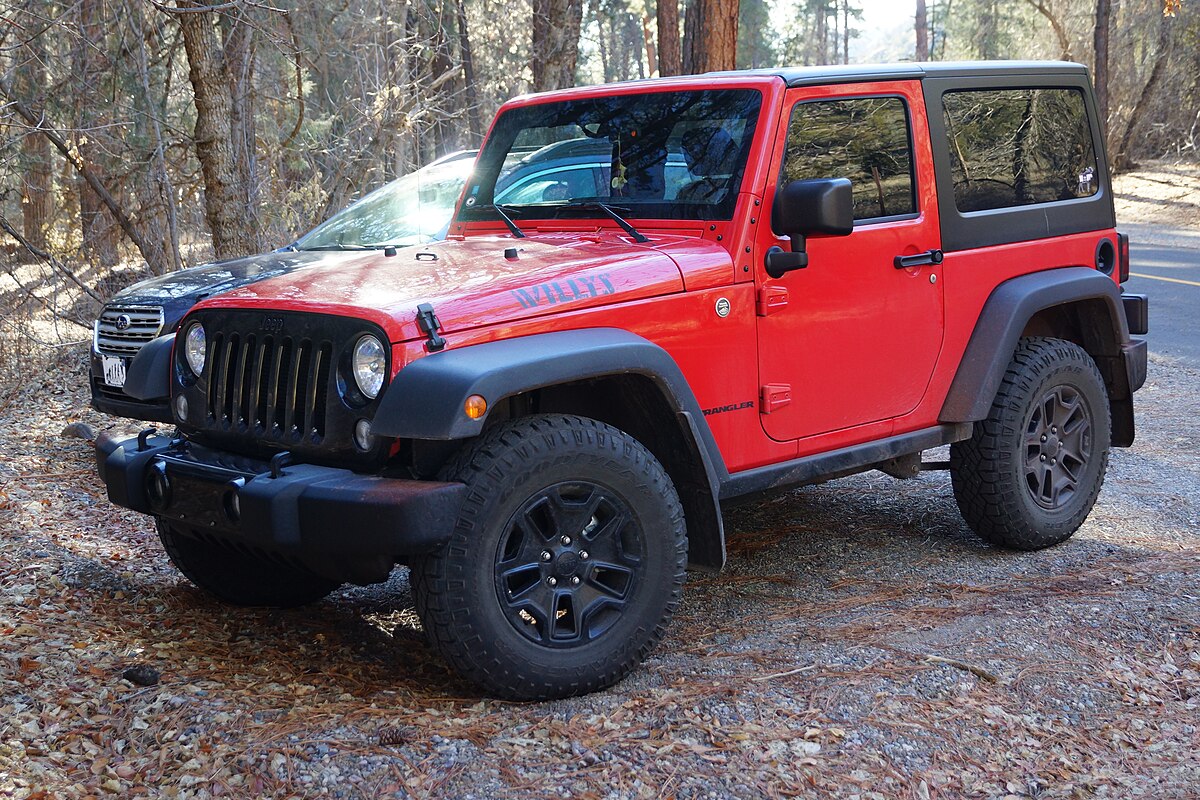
417	207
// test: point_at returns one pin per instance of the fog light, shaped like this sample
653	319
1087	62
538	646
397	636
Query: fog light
475	407
363	439
181	408
158	487
232	503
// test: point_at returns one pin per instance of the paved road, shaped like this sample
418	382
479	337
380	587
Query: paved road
1171	277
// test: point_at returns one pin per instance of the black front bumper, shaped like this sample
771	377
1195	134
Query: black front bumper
338	523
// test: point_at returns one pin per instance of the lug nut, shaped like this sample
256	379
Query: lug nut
1042	457
1054	429
566	539
546	555
575	581
583	555
1053	461
1043	437
552	581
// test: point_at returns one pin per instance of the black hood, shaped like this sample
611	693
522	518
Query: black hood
176	292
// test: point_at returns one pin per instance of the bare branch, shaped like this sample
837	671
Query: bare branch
57	265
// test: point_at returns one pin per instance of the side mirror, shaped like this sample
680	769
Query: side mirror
803	208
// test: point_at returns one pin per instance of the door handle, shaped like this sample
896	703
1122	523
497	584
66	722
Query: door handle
918	259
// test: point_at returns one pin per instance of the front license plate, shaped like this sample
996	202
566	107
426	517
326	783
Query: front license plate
114	370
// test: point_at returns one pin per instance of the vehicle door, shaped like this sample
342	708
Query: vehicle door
852	338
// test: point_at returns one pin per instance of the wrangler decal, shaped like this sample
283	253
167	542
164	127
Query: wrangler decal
554	292
708	412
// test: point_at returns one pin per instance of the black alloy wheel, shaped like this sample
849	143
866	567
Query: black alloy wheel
568	564
1058	445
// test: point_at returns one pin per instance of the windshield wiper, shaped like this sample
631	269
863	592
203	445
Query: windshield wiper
500	211
611	211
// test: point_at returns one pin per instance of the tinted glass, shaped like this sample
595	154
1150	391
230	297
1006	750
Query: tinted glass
676	155
866	140
1016	147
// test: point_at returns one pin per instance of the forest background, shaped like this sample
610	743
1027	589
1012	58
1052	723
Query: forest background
138	136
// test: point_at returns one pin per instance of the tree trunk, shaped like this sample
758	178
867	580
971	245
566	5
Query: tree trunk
602	44
1100	63
648	41
845	31
226	195
821	34
555	44
1123	159
711	40
921	24
468	66
37	190
99	232
240	55
670	58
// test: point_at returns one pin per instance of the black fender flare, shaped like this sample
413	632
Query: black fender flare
426	399
1005	315
149	375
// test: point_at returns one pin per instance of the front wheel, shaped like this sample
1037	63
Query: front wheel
1030	474
566	562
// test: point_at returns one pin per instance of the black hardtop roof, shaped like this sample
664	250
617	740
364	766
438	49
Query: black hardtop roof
854	73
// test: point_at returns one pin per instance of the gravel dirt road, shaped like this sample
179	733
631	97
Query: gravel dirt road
862	643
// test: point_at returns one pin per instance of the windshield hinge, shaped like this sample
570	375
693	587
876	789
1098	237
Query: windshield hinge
429	323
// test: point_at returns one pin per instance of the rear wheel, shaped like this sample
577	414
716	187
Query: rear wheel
240	578
1030	474
566	562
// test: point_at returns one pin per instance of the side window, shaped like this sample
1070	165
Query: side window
1017	147
864	139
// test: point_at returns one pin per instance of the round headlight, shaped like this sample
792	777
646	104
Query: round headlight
369	364
194	348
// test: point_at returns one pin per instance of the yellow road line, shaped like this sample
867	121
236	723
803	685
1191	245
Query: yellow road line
1160	278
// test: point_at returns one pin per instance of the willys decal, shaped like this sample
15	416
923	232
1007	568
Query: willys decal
554	292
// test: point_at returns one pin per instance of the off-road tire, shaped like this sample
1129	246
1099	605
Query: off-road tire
529	482
239	578
1014	487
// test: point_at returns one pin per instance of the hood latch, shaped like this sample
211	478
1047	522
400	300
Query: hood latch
429	323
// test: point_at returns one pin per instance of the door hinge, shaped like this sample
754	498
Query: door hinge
771	299
774	397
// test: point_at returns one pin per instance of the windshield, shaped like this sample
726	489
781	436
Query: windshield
410	210
674	155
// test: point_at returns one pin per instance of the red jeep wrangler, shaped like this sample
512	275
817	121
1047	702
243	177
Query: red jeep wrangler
748	281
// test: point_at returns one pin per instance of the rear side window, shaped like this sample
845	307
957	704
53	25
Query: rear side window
1017	147
865	139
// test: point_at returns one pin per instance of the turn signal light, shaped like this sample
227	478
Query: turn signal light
475	407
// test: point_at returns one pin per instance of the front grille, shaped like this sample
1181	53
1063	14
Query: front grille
277	380
123	330
272	386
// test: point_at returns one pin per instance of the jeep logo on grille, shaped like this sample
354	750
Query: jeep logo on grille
123	322
272	324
